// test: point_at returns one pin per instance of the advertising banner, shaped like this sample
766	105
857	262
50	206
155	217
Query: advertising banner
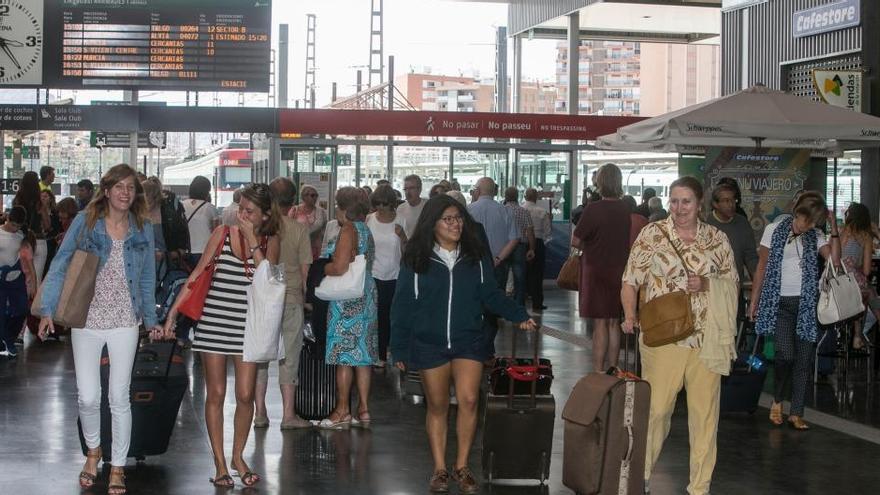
768	178
841	88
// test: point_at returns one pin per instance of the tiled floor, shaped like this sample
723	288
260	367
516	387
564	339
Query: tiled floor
39	449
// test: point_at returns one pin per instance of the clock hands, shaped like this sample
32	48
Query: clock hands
5	44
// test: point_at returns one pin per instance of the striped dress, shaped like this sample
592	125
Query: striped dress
221	328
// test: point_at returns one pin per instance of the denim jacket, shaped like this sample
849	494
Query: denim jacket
139	258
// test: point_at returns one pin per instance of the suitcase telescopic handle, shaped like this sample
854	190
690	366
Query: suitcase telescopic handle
535	363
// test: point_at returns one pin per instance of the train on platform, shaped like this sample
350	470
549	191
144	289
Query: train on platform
229	167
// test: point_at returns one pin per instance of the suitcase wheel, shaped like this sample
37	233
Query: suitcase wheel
543	467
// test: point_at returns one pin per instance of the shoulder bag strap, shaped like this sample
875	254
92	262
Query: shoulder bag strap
680	257
195	211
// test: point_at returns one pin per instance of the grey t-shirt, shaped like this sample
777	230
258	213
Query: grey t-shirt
742	241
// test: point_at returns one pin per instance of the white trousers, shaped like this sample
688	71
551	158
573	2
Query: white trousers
41	253
121	346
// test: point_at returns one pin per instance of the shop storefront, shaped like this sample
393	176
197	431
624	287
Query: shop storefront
817	49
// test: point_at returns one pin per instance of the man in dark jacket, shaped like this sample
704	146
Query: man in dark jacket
643	208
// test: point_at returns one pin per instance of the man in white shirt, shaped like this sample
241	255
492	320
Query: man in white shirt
230	213
542	222
412	207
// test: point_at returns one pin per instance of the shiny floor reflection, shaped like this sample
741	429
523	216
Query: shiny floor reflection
39	450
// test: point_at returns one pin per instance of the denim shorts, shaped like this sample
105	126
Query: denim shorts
425	356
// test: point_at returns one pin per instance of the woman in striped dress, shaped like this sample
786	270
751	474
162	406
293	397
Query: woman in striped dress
219	333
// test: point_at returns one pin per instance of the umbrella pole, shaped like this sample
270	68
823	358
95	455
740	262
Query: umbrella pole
834	190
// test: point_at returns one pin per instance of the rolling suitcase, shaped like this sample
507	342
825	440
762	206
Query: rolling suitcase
316	389
158	384
741	390
606	432
518	431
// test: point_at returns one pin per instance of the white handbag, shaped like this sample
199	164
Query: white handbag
262	327
839	296
349	285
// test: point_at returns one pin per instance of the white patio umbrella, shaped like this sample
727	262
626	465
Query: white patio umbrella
757	116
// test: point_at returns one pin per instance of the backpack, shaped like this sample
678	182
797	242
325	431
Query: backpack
174	224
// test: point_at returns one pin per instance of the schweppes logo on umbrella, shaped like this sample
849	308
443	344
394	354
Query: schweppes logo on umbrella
839	88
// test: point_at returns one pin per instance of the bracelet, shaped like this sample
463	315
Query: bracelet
834	235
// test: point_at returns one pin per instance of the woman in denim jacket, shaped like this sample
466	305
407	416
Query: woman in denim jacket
113	227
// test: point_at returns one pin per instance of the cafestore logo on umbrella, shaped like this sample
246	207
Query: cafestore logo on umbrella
839	88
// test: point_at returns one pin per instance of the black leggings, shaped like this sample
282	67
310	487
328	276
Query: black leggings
794	356
385	288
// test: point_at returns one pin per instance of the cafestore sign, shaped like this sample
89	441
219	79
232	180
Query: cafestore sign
826	18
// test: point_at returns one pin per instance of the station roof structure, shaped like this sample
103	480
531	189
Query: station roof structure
659	21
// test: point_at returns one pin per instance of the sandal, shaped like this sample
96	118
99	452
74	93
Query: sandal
362	421
249	478
86	479
224	481
798	423
117	482
343	423
776	413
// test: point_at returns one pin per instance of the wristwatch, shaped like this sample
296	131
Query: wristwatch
254	249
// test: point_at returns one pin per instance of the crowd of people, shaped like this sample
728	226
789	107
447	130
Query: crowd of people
435	290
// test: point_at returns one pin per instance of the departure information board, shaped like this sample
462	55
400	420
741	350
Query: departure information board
198	45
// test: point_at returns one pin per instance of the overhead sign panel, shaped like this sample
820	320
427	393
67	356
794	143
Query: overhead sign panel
449	124
68	118
826	18
172	45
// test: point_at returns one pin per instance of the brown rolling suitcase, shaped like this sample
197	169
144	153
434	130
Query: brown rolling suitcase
606	433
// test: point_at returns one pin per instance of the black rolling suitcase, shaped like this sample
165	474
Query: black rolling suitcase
606	432
316	388
518	431
158	383
741	390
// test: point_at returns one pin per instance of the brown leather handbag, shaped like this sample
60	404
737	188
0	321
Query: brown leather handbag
77	290
668	318
570	275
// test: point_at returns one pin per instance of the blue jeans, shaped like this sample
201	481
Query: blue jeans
518	266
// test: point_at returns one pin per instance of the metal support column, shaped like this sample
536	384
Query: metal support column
501	69
311	24
283	56
132	97
357	165
574	27
517	74
377	50
870	169
390	164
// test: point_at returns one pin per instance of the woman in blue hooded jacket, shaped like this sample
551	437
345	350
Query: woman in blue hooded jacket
436	325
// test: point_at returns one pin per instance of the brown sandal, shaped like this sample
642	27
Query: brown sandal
87	480
776	413
117	482
798	423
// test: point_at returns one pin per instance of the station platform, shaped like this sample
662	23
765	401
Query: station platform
40	453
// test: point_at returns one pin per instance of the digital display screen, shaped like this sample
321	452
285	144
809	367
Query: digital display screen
198	45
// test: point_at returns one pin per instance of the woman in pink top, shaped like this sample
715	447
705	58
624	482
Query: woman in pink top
311	215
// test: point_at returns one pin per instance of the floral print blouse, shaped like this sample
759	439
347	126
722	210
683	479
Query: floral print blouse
654	267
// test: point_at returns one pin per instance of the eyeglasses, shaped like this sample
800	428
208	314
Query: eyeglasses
452	220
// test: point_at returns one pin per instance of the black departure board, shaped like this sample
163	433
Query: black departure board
175	45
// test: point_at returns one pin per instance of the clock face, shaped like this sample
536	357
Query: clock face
21	42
